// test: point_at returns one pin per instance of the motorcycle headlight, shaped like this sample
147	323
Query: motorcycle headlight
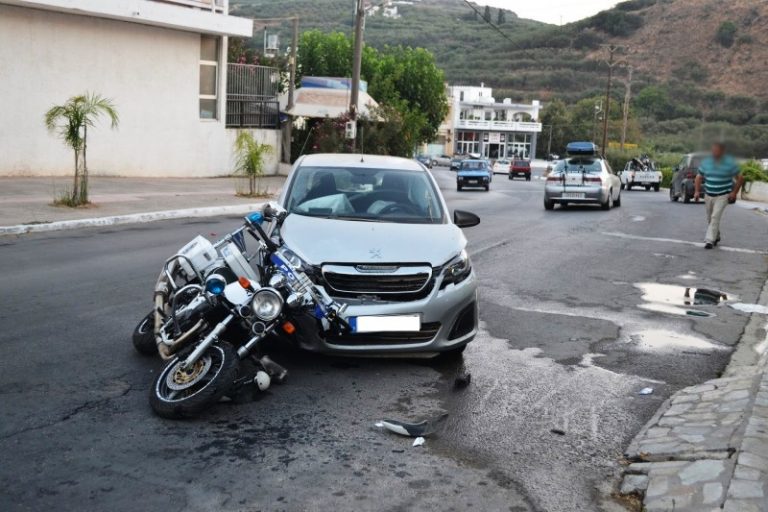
267	304
215	284
457	270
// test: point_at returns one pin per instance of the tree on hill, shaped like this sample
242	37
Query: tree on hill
500	17
487	14
405	81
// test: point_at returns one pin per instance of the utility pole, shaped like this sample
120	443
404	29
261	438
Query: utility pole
611	50
549	144
627	99
288	128
357	59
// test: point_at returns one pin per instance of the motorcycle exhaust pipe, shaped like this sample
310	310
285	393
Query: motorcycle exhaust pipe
167	351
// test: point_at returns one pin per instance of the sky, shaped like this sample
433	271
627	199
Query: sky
552	11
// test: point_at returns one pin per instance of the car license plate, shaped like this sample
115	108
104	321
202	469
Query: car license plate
573	195
386	323
472	181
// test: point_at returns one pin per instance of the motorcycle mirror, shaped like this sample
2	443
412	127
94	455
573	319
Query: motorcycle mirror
465	219
273	210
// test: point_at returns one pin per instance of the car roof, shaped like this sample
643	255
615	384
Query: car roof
360	161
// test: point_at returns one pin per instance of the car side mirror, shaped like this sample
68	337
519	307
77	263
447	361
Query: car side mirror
465	219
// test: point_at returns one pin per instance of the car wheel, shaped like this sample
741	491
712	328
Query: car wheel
458	188
510	177
622	186
487	188
527	178
629	186
672	196
617	202
608	202
656	187
647	188
549	204
686	198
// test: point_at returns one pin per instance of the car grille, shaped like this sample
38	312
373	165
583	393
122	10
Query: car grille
402	286
427	333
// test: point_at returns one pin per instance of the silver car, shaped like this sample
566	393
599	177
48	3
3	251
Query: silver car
582	179
374	232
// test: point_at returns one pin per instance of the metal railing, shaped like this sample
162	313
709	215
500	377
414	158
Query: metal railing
252	96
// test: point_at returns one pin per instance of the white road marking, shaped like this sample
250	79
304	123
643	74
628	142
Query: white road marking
681	242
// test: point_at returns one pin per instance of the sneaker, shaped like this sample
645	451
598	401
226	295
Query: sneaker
708	245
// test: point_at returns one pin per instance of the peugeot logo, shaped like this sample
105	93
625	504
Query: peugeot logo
375	254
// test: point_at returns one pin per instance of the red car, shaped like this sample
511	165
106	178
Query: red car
520	168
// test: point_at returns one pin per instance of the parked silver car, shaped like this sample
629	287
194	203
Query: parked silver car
374	232
582	179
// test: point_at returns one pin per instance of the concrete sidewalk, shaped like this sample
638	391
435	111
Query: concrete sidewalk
28	201
707	446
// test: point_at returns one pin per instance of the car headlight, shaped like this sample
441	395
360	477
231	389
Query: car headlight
215	284
267	304
457	270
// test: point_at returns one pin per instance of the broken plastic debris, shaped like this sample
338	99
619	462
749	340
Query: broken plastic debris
646	391
419	441
558	431
379	424
421	429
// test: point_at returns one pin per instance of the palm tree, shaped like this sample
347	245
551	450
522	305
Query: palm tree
250	155
72	120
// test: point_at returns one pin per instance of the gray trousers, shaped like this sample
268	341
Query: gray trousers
715	208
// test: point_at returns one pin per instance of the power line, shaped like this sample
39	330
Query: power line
495	27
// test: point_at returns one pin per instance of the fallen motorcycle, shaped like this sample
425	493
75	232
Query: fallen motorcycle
214	304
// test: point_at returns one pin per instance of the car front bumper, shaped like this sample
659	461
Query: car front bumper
449	319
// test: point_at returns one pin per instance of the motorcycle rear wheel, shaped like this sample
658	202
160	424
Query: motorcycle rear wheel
144	336
177	393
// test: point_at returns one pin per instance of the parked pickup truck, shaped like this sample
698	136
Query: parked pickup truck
640	173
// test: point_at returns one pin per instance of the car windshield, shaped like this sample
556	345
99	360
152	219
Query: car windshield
579	164
472	165
350	193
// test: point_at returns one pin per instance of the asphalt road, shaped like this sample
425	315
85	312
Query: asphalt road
567	341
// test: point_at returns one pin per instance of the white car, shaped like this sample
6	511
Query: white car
639	173
501	166
441	160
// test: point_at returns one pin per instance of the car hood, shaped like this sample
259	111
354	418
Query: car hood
318	241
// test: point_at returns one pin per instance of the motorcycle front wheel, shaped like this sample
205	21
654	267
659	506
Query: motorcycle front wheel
180	393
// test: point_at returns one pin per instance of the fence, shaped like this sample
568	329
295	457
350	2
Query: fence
252	96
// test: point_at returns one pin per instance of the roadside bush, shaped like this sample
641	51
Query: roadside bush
666	177
753	171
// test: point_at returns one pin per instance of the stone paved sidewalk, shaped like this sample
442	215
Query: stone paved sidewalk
706	449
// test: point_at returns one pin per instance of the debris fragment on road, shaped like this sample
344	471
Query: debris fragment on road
645	391
419	441
462	380
420	429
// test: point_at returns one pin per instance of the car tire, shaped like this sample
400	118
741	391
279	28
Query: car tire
622	186
672	196
510	177
487	188
527	178
657	187
458	188
647	188
629	186
608	202
549	204
617	202
686	198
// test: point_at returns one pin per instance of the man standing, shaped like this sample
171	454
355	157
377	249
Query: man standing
722	182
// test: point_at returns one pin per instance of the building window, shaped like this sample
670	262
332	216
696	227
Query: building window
209	76
461	95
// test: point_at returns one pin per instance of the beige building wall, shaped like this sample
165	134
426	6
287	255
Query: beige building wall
150	73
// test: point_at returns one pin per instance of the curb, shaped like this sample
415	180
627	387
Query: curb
134	218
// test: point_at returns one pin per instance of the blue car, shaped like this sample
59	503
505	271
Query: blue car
474	173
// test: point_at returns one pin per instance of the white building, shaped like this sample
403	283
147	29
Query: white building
161	62
480	124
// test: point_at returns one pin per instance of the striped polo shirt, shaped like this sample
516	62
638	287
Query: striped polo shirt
718	175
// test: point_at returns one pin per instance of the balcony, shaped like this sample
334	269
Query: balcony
497	126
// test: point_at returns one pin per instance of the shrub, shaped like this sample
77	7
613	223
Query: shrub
726	34
753	171
666	177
